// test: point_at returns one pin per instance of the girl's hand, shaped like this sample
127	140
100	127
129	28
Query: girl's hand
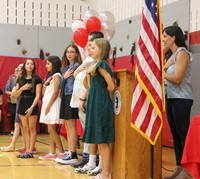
68	73
81	106
47	110
29	111
48	80
168	63
27	86
83	66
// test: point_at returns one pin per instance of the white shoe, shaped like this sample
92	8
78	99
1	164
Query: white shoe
95	171
60	157
85	169
68	160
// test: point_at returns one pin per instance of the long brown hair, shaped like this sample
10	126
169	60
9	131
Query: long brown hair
104	47
65	61
23	76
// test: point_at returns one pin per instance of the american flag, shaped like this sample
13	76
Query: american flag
148	94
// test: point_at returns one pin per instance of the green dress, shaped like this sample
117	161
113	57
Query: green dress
99	126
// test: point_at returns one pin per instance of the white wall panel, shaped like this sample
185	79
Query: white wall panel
195	16
53	14
121	10
28	10
19	10
11	12
36	13
34	9
57	39
8	41
3	12
33	38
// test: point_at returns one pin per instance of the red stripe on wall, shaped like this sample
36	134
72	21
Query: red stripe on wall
195	37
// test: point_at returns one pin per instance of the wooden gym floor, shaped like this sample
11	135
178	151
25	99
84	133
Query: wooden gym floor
14	168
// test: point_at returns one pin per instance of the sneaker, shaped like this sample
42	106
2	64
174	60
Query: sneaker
79	164
34	150
95	171
68	160
84	169
7	149
48	157
23	150
60	157
25	155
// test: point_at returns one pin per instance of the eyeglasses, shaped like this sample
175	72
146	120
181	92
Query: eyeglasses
72	52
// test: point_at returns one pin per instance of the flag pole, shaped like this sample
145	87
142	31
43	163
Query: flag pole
151	161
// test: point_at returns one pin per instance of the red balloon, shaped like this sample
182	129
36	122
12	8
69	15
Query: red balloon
80	37
93	24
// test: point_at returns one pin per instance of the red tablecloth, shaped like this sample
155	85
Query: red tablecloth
79	129
191	153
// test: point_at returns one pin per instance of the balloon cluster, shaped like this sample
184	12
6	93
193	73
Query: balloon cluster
91	22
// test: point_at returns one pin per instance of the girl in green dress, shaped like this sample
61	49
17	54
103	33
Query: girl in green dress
99	127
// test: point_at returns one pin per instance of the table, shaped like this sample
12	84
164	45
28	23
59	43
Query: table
191	154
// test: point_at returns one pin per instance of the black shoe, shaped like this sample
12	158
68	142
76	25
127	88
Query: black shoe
79	164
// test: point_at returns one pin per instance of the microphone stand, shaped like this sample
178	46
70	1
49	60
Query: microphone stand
114	56
132	53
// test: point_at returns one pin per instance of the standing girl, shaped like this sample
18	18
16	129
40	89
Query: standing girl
99	127
71	60
28	87
51	106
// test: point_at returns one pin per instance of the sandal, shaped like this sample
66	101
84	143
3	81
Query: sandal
7	149
84	169
95	171
25	155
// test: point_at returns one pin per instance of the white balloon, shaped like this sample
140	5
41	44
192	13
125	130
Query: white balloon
108	29
107	16
82	52
90	13
79	23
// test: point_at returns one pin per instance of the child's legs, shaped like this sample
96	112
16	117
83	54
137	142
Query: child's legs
12	108
33	133
82	118
104	150
55	139
93	149
26	132
72	134
16	134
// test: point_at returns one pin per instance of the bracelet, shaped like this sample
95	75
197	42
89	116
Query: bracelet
82	99
32	107
46	84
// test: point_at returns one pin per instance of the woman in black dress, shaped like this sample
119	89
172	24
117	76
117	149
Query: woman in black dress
28	87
